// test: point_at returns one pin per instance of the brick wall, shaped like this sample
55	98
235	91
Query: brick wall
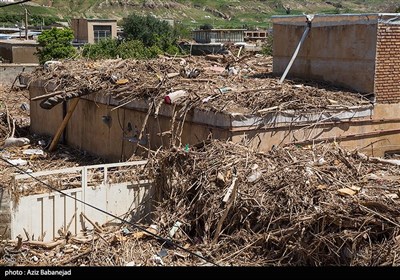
387	71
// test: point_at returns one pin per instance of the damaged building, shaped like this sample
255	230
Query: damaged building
355	52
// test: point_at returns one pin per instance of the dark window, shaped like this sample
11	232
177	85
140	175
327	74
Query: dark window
101	32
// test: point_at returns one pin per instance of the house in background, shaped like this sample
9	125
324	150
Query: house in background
207	36
254	35
18	51
92	30
211	41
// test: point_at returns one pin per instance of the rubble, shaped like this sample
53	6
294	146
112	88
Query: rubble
315	205
294	214
252	88
31	157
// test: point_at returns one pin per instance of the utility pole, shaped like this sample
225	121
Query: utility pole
26	24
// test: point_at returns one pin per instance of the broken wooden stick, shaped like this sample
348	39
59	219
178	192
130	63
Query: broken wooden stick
83	240
64	123
228	199
26	234
95	226
69	224
46	245
19	243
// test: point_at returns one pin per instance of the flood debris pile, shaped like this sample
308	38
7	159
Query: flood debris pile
31	155
315	205
218	83
14	111
318	205
34	157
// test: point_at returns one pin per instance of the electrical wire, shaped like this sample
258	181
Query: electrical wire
165	240
14	3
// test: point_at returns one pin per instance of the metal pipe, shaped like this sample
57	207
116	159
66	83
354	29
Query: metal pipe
297	50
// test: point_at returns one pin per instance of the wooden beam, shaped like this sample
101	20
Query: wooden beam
47	95
64	123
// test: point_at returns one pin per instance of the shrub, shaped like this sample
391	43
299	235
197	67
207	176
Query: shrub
55	44
112	48
150	31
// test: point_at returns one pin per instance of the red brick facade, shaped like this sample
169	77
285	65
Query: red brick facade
387	71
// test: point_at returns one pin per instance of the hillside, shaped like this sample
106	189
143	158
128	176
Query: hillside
220	13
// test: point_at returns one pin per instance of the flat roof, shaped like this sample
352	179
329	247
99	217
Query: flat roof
337	19
96	19
337	15
19	42
222	29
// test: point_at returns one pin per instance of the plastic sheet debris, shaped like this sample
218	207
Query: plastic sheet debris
174	229
18	162
33	152
157	260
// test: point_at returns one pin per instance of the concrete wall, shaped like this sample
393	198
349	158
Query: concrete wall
14	52
5	214
9	71
97	127
45	213
24	54
113	140
43	121
387	77
340	49
373	135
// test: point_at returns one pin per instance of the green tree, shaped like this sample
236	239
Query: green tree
150	31
55	44
112	48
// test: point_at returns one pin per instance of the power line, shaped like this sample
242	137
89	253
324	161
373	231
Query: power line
167	241
14	3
